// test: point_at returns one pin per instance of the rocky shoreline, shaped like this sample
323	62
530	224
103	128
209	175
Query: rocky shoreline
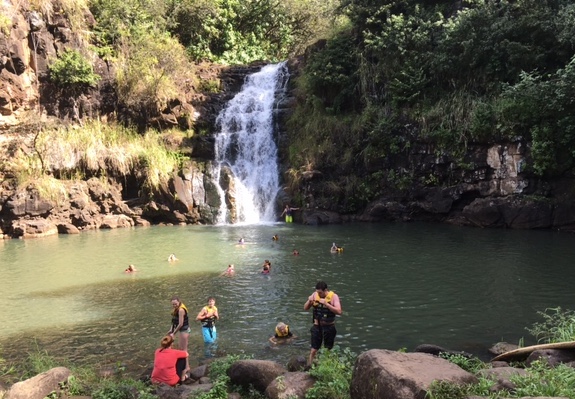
377	374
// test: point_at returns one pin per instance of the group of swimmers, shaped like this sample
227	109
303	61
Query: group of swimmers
171	366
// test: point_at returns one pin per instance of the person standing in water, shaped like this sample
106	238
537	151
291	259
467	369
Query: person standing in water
208	316
326	306
288	212
180	324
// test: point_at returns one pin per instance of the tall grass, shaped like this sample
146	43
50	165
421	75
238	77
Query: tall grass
558	325
96	149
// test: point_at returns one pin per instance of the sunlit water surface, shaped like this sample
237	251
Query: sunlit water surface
401	285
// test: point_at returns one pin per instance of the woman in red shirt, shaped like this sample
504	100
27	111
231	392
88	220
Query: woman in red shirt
170	365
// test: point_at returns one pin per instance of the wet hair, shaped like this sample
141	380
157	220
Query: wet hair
321	285
166	342
281	326
210	298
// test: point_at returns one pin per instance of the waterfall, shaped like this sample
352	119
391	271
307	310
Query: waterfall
246	166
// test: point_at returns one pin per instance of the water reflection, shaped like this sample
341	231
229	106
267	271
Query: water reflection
400	285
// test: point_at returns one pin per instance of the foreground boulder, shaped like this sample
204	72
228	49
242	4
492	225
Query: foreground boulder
40	386
384	374
257	373
291	385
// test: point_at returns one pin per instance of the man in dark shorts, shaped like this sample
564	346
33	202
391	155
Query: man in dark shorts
326	306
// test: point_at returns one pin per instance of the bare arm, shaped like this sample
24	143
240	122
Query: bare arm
201	315
334	305
308	304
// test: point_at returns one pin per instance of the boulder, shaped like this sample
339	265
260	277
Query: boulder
258	373
33	228
40	386
553	357
384	374
290	386
502	347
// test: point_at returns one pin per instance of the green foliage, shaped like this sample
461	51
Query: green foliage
38	362
120	19
241	31
329	75
449	390
5	24
6	369
152	69
545	381
72	70
470	364
333	372
219	377
558	325
122	389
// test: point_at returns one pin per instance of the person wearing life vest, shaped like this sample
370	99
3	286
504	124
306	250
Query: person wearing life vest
326	306
208	316
282	334
180	324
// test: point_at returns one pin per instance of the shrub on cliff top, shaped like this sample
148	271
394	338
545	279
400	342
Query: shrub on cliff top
152	69
73	70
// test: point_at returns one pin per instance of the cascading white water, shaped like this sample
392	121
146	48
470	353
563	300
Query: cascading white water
245	144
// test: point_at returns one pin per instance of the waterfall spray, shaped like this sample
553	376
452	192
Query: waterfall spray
246	150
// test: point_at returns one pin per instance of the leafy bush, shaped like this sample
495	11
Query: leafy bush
558	325
73	70
333	372
152	69
219	377
242	31
545	381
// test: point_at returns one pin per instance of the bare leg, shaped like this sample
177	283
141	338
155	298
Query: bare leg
312	356
183	344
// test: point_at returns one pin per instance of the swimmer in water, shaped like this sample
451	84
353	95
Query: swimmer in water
230	271
131	268
172	258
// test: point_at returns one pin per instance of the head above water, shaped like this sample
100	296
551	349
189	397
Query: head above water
281	326
321	288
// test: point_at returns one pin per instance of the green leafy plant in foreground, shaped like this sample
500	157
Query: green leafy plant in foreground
470	364
546	381
123	389
558	325
219	376
333	372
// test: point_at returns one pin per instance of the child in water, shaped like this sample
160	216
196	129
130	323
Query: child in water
282	334
208	316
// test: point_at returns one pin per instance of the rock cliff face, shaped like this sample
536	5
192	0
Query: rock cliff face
493	190
29	42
